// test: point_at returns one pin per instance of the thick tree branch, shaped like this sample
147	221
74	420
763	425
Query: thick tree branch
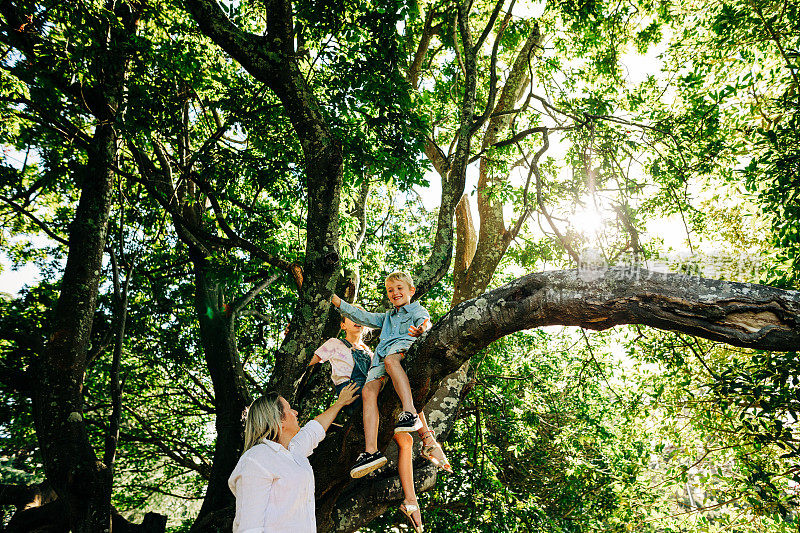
518	137
428	32
493	238
360	214
217	25
740	314
490	101
437	157
272	59
453	184
490	24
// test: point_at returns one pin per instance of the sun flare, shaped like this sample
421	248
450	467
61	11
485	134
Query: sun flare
588	221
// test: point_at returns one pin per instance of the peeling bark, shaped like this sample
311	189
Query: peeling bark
466	245
740	314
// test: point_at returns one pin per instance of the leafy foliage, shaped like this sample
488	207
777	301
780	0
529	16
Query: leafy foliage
558	430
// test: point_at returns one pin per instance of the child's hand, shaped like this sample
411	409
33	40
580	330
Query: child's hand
348	394
419	330
336	301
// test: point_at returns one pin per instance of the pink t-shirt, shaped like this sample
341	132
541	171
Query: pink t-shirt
340	357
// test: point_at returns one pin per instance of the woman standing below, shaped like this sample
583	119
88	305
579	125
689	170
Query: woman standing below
273	481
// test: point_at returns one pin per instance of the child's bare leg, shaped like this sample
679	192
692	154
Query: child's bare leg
405	469
369	398
400	381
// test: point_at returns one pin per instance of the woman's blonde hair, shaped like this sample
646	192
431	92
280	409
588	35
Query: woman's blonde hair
264	417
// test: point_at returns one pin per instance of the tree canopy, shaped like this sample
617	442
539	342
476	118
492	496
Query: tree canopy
597	201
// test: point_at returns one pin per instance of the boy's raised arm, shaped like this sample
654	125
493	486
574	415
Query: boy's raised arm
359	316
416	331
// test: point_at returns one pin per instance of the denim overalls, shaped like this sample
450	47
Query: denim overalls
361	363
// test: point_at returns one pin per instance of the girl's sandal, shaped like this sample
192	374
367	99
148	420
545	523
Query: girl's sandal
409	509
428	452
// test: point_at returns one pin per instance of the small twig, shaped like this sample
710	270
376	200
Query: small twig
238	304
534	165
21	210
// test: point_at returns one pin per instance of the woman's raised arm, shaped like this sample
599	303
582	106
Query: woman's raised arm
346	397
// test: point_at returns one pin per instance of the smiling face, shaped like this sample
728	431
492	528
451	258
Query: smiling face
399	292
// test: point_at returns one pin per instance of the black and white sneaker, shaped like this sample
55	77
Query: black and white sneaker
366	463
407	422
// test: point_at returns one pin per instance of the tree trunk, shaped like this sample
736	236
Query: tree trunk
271	58
231	396
70	462
83	483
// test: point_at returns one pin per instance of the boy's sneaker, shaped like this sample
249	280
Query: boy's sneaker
407	422
366	463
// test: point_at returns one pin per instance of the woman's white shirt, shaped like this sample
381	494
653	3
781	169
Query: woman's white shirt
274	487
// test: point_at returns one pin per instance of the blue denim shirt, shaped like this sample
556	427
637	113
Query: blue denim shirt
394	325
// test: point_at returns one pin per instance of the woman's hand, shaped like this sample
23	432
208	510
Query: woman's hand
348	395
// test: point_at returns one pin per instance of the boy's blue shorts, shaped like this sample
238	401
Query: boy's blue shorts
376	371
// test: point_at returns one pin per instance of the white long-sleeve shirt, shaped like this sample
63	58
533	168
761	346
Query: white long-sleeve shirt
274	487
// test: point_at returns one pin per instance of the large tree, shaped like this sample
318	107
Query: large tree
202	154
